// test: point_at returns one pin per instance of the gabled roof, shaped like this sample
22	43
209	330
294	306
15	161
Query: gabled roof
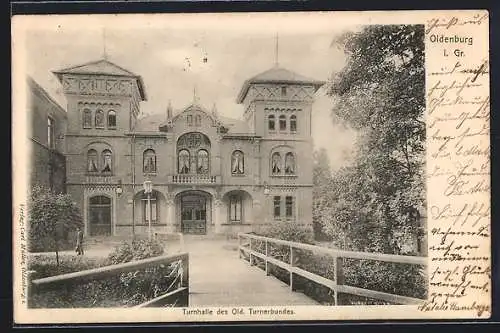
103	67
153	122
277	75
38	88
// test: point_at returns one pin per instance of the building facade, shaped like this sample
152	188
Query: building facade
48	125
209	174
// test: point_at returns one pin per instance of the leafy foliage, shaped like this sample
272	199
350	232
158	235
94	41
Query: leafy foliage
394	278
51	217
121	290
375	203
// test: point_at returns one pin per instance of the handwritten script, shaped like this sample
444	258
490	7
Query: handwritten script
458	114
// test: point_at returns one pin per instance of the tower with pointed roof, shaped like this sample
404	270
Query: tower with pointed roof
277	106
95	89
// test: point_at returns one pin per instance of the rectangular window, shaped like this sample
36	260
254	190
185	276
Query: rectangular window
289	206
277	206
153	212
50	133
235	208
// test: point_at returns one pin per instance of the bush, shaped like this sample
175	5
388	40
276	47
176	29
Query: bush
122	290
45	265
289	231
398	279
51	218
136	250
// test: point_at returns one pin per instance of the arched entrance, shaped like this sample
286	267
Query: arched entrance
194	206
99	216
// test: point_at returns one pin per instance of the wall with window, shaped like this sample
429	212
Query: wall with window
48	124
98	157
239	163
100	115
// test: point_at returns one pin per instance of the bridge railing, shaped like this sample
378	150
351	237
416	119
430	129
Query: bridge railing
176	294
251	246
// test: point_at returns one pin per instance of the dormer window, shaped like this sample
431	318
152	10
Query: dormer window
197	120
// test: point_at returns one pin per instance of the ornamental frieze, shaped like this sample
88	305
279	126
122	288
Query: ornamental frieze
294	93
97	85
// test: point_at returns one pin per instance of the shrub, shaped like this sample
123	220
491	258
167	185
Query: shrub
123	290
394	278
136	250
51	218
289	231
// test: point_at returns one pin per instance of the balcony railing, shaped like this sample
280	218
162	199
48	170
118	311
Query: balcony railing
195	179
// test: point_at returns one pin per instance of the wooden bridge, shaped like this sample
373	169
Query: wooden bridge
216	272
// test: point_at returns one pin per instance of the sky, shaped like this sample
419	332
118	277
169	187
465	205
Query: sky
168	52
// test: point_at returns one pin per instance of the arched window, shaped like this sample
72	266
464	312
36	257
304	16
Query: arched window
92	161
189	120
293	123
184	158
99	119
202	159
282	122
276	164
197	120
107	161
193	152
87	118
111	119
149	161
237	163
271	122
289	164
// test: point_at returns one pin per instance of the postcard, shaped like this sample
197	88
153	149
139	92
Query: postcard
251	166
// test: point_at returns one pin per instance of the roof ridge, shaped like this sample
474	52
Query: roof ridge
94	62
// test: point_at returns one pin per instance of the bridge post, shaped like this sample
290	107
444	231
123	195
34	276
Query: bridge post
250	253
267	264
291	268
185	280
239	246
339	276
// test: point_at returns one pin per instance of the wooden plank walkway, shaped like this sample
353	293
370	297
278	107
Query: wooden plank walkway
219	278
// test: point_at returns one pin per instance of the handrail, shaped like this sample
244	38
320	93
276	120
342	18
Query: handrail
337	284
414	260
111	270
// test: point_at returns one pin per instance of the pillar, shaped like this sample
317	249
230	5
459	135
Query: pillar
171	228
217	216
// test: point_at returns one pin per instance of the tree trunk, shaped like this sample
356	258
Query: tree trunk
57	251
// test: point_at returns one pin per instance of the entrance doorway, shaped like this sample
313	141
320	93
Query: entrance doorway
194	214
100	216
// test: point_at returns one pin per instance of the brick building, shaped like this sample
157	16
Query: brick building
210	174
48	125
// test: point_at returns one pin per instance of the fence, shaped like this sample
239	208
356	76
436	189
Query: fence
177	293
338	256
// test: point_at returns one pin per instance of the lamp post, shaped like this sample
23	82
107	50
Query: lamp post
148	188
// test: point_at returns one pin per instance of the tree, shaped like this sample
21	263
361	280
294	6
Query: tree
322	177
380	92
51	216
